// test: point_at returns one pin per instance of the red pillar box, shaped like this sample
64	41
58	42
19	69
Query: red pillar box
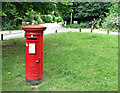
34	53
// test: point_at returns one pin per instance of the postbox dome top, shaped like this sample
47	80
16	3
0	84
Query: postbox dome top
34	28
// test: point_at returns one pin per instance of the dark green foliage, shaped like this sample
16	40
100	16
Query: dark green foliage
14	12
43	7
86	11
56	16
36	22
84	24
29	16
111	21
64	7
59	19
49	19
38	18
32	15
10	18
81	25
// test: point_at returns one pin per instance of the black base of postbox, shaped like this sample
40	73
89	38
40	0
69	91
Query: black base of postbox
34	82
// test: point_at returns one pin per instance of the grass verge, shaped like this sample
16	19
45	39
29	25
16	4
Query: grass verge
85	26
72	62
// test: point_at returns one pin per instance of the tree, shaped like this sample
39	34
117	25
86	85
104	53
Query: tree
86	11
111	21
10	17
14	12
64	9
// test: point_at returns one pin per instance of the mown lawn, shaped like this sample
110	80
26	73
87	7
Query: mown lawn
72	62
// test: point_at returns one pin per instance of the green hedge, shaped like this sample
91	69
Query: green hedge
81	25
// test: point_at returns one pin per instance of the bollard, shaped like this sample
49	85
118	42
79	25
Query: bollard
91	30
80	30
2	37
56	31
9	32
107	31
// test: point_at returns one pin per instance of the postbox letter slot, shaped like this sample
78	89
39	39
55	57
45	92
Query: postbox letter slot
32	38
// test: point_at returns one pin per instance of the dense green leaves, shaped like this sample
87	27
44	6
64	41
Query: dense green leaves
86	11
10	17
14	12
111	22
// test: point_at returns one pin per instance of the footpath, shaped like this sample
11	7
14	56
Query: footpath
51	28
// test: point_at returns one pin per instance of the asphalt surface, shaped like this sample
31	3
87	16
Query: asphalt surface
51	28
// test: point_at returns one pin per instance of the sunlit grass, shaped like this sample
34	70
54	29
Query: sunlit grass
72	62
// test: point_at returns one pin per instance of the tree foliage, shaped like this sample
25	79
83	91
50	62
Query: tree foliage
86	11
10	17
111	21
14	12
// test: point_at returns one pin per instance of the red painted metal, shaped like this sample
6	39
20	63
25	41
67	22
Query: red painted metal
34	51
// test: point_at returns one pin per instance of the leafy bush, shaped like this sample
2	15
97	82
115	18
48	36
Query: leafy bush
59	19
30	16
11	20
11	24
38	19
84	24
7	26
56	16
36	23
49	19
111	21
81	25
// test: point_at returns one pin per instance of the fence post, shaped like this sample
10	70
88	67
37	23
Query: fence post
80	30
107	31
56	31
91	30
2	37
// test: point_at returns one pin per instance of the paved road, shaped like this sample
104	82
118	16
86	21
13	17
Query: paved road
10	36
51	28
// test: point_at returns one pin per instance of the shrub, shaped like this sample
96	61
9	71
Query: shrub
73	26
54	17
81	25
111	21
36	23
11	25
49	19
84	24
59	19
30	16
38	19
